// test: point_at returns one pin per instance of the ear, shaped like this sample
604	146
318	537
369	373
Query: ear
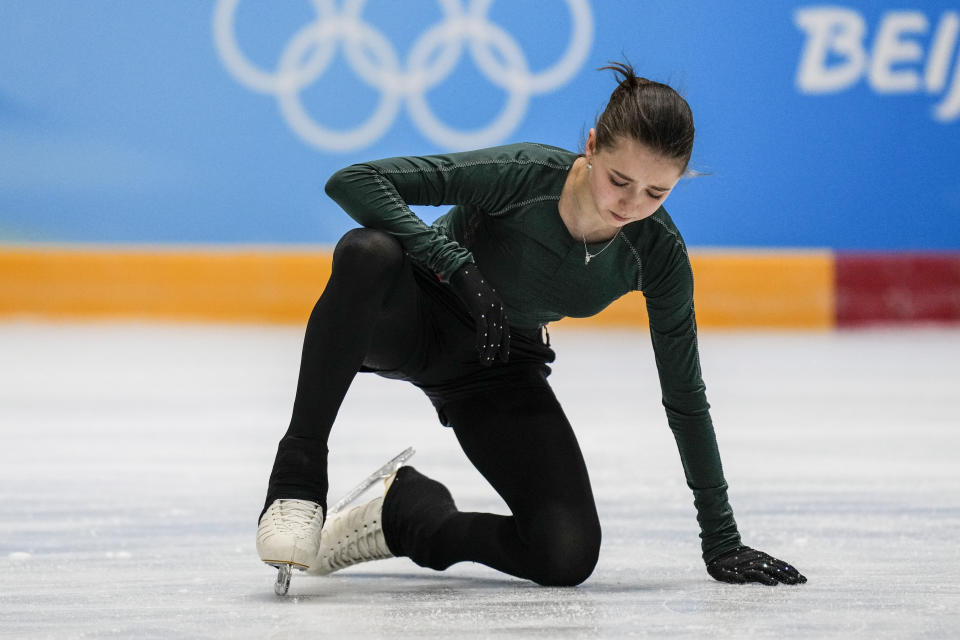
591	147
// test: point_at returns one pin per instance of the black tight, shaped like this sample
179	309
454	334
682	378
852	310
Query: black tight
524	446
517	436
366	315
369	294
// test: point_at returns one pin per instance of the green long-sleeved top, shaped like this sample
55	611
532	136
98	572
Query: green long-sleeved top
505	219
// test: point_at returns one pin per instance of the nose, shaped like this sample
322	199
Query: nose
632	202
636	206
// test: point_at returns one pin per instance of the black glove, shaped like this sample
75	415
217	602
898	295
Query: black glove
744	564
486	308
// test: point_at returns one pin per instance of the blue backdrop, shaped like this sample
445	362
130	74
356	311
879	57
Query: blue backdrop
197	121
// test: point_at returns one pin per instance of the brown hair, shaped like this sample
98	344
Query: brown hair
650	112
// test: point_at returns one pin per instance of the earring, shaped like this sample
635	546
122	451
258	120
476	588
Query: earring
589	166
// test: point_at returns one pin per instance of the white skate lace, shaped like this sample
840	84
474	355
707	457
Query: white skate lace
296	516
358	541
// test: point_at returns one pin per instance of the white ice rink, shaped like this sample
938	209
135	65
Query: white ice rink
134	459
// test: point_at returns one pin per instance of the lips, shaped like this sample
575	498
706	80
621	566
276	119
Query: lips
620	218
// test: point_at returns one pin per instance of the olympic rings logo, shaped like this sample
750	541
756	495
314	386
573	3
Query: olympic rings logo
431	60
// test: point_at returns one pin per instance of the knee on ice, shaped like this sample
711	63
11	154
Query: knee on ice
566	545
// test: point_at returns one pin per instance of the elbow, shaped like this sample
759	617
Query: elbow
358	190
686	398
339	181
330	188
348	179
347	187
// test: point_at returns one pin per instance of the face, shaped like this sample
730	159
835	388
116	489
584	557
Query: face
628	181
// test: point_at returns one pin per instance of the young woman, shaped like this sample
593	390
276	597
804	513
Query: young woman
459	309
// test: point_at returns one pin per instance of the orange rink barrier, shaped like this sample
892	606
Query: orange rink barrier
734	289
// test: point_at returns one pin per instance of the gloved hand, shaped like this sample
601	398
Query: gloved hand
486	308
744	564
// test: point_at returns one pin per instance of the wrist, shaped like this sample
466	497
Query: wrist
726	553
464	277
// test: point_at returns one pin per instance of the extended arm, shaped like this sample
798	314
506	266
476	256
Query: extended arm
673	330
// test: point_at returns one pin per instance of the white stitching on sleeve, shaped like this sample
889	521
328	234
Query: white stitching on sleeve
395	197
475	163
636	256
522	203
675	235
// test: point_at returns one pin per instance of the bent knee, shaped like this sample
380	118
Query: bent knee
569	569
565	547
368	250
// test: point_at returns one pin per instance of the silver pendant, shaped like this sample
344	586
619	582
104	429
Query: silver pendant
586	258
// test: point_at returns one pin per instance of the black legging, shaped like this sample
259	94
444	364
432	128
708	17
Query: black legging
379	313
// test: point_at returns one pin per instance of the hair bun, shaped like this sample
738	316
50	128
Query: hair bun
648	112
627	78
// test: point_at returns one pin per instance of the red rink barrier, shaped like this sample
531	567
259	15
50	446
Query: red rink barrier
883	288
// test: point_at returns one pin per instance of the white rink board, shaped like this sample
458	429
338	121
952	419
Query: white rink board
133	461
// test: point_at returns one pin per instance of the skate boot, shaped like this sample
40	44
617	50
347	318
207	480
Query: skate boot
355	535
351	537
289	537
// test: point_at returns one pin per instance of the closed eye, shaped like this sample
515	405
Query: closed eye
656	196
617	184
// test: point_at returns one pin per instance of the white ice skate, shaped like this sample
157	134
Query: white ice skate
337	521
351	537
289	537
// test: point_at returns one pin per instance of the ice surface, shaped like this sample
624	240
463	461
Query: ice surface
134	458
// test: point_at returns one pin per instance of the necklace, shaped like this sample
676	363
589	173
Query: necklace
587	256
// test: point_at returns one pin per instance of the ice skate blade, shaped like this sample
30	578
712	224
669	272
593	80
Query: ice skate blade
284	573
382	473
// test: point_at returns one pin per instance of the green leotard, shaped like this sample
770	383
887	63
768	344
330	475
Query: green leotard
505	219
